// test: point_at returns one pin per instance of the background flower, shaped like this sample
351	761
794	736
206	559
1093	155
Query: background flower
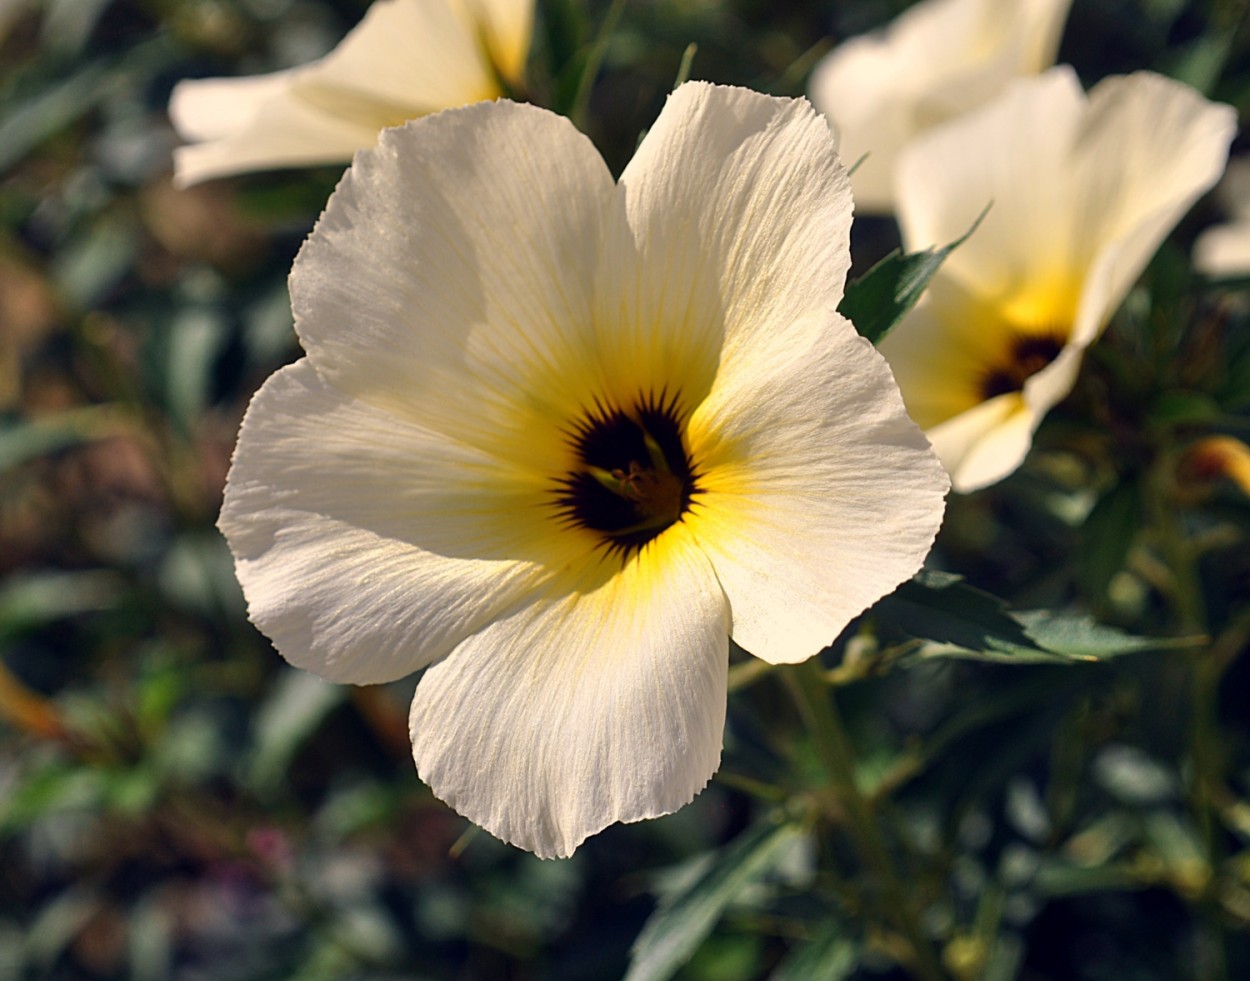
560	437
405	59
1080	194
1224	250
937	60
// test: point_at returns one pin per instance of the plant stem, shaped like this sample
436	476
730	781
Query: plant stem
819	713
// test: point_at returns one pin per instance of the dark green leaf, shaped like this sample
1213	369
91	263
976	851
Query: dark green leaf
959	621
880	298
831	956
684	919
1107	536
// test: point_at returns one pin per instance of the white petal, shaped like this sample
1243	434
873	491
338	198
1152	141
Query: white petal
1013	156
406	58
738	222
275	128
1149	147
937	60
450	277
604	704
507	26
1224	250
211	108
983	445
425	55
820	494
366	546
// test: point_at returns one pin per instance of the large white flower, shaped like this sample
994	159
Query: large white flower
1081	192
936	61
405	59
559	437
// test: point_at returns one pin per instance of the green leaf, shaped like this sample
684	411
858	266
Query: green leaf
686	917
956	620
1106	537
22	440
880	298
830	956
299	704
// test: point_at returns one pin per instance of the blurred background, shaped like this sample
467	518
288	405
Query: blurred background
176	802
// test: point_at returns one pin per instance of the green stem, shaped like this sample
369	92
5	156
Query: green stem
819	713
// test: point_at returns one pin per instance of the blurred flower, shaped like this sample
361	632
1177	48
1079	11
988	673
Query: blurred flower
1224	251
937	60
559	437
1083	190
1213	457
407	58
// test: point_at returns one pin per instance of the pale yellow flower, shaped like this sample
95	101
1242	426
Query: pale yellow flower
1081	192
405	59
558	437
937	60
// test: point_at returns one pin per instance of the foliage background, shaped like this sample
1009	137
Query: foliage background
175	802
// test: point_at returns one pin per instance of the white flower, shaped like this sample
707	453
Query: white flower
559	437
936	61
406	58
1224	250
1081	193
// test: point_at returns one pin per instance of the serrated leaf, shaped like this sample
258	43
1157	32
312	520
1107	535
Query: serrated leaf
880	298
959	621
684	919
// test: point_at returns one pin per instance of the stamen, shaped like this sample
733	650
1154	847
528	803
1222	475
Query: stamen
635	478
1028	355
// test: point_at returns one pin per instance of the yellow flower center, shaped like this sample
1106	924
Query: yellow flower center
633	477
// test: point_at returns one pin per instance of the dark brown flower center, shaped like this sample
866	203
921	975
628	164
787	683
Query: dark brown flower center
634	476
1026	357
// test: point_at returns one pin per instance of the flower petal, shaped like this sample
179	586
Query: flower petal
738	219
424	55
820	494
507	26
937	60
461	253
366	546
257	123
1149	147
406	58
585	708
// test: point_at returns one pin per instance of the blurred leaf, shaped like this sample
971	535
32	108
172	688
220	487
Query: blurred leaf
962	622
94	263
1133	778
56	925
298	704
1106	537
195	340
880	298
685	918
1201	62
22	440
1180	408
31	600
25	123
830	956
